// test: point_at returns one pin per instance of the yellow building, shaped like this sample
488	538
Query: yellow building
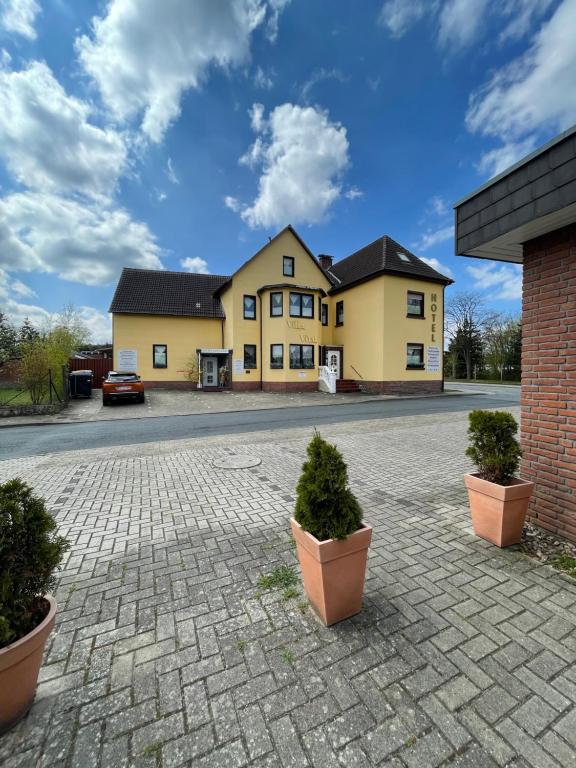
285	320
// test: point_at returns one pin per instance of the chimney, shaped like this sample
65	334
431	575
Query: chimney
325	260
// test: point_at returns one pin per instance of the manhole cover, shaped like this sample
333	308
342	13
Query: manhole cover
236	461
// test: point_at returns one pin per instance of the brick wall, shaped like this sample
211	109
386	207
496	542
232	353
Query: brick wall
401	387
548	427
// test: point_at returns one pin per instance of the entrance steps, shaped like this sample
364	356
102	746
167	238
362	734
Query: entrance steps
347	385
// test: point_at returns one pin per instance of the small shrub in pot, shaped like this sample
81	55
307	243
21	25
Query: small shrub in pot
30	553
493	447
498	499
331	540
325	505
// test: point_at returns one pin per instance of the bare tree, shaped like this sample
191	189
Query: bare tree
502	336
466	316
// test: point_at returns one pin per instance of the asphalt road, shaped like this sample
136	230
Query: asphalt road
17	442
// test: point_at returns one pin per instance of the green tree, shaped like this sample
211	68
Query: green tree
34	367
8	340
502	341
27	332
325	505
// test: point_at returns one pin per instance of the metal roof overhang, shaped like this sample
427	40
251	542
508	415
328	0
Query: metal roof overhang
509	246
535	196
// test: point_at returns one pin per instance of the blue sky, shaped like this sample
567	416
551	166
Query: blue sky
181	134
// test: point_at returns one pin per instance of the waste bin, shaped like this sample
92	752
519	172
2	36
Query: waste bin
80	383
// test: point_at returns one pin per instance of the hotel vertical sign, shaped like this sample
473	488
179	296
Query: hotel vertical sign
434	361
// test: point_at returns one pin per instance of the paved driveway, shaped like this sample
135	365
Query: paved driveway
167	653
174	402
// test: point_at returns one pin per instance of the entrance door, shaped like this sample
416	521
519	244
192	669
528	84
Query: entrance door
334	361
210	372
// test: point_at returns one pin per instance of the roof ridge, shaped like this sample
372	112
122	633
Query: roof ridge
174	272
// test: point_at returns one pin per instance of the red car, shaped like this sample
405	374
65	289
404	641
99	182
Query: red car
122	386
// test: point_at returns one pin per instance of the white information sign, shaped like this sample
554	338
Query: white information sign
433	364
128	360
238	366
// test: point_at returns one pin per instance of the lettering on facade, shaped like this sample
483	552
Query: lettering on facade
305	339
433	310
433	364
296	325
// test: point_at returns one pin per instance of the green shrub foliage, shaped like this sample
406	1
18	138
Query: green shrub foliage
325	505
493	445
30	552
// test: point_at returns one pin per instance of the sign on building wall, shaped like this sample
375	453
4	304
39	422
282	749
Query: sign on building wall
238	366
433	364
127	360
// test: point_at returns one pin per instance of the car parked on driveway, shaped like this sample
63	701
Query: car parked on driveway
122	386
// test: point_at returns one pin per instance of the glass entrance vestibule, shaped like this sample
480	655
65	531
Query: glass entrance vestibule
214	369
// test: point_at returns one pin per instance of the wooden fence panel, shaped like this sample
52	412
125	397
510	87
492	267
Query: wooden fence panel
98	365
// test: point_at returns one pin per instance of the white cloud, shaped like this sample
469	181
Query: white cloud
79	242
374	83
434	237
144	54
353	193
196	264
319	76
276	8
256	113
233	203
444	269
47	141
522	14
438	205
399	15
537	90
461	21
21	289
264	80
171	173
503	282
18	16
303	155
98	323
497	160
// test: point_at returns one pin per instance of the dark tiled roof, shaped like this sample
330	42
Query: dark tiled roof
383	256
155	292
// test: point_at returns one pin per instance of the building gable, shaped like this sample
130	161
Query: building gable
265	267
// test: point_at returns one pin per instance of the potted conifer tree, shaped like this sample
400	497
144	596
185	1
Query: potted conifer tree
30	552
331	539
498	499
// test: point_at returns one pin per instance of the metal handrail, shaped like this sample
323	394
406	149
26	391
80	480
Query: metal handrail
358	372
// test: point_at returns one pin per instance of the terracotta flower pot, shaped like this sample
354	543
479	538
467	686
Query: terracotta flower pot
19	667
333	571
498	511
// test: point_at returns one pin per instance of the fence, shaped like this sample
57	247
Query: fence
98	365
48	389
